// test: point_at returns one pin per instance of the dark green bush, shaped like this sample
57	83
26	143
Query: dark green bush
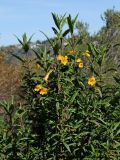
71	103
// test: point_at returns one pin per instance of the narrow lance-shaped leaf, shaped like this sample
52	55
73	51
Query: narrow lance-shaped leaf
36	79
56	48
70	24
56	20
47	38
19	58
55	30
63	20
75	19
116	79
19	40
37	54
30	38
73	97
24	38
66	32
67	146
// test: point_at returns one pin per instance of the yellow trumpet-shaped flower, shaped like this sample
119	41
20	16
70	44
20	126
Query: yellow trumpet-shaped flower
78	60
37	66
59	57
92	81
63	59
38	87
72	52
81	65
43	91
86	53
47	76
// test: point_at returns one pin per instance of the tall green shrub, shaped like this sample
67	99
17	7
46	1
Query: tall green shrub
70	106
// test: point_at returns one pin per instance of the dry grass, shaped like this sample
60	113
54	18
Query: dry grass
9	81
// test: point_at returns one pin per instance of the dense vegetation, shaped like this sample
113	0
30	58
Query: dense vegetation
66	101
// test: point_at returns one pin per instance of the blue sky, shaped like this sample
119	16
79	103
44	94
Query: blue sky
30	16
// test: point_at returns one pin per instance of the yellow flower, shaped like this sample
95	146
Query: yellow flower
86	53
63	59
43	91
81	65
72	52
38	87
47	76
78	60
92	81
37	66
59	57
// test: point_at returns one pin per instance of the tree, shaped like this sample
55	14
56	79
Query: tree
109	34
83	34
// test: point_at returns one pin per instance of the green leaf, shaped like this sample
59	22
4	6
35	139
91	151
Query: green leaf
55	30
67	80
24	38
117	145
93	149
25	47
56	48
110	69
70	24
19	40
118	44
37	54
66	32
91	49
101	120
47	38
116	79
56	20
36	79
99	91
79	41
75	19
63	20
30	37
67	147
57	106
116	125
19	58
73	97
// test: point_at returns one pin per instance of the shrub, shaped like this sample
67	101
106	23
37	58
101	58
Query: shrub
70	106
